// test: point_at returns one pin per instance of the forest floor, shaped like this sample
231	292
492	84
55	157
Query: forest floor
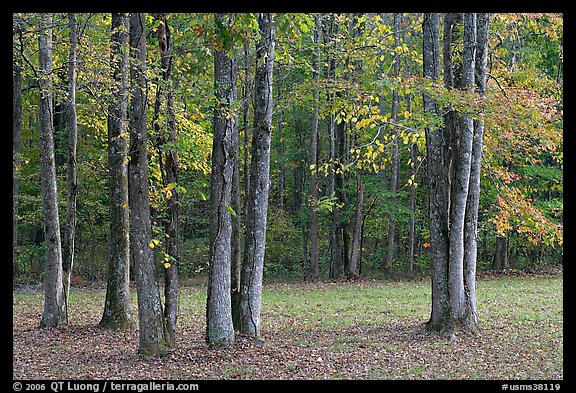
330	330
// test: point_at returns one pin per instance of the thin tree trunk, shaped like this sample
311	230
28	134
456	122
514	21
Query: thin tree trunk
219	325
117	314
169	167
501	253
245	116
257	209
152	335
314	270
237	258
235	203
356	238
395	162
72	194
236	255
412	200
54	305
281	153
16	148
471	218
459	193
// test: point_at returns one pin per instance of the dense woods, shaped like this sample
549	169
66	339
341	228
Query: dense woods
149	149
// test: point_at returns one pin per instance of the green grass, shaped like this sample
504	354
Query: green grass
368	329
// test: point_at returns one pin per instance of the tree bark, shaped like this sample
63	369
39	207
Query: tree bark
54	305
471	218
257	204
168	167
395	166
412	200
152	335
436	155
72	194
501	253
462	156
356	238
16	148
219	325
281	153
117	314
314	270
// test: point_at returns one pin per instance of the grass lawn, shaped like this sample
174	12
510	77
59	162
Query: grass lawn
360	330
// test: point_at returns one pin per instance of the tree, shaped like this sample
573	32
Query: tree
219	326
355	248
314	252
257	203
453	274
395	162
54	303
16	147
436	154
471	215
72	192
152	336
168	162
117	314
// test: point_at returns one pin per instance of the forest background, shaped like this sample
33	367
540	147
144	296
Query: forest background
377	158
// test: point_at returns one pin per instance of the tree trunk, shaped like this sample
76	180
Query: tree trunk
16	148
471	218
236	256
356	238
117	314
437	181
412	200
501	253
395	162
219	326
54	305
462	156
152	335
169	167
281	153
257	204
72	194
314	270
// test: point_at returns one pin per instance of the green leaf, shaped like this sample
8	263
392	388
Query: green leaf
229	209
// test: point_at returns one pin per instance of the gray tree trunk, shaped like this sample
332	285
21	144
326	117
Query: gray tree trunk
16	147
219	325
395	166
314	270
412	200
437	180
257	204
357	234
152	335
54	305
168	158
117	313
237	236
72	194
471	218
462	156
281	152
235	202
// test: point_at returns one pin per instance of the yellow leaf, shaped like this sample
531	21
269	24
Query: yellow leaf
151	244
166	265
